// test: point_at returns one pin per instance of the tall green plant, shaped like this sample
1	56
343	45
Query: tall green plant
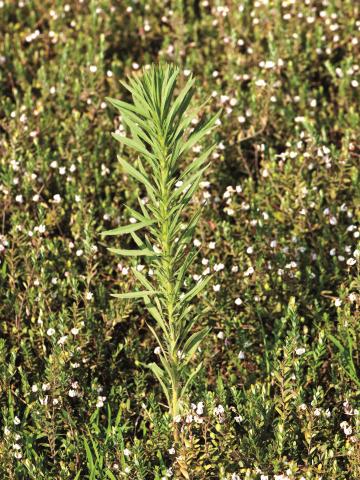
159	125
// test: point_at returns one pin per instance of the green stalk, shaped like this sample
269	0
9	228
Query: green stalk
167	265
160	134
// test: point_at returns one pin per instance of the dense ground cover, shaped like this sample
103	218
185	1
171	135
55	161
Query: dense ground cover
277	397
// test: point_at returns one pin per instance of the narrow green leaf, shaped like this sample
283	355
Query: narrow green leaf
124	106
136	174
156	314
145	252
137	215
142	279
194	341
336	342
190	379
189	181
159	374
132	227
152	330
89	455
134	144
199	287
181	103
110	475
134	294
196	164
197	135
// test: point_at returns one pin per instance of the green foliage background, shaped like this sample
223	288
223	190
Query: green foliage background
285	242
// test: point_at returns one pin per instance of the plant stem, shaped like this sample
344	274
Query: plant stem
168	268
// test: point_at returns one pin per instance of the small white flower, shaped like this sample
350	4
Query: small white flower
350	262
89	296
74	331
181	355
62	340
249	272
100	401
241	355
200	408
171	451
238	301
93	68
343	424
156	249
72	393
50	331
300	351
218	267
17	421
34	388
219	410
337	302
260	82
347	429
352	297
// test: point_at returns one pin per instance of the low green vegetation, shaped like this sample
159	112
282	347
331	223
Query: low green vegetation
276	394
